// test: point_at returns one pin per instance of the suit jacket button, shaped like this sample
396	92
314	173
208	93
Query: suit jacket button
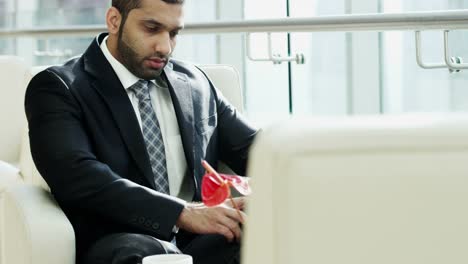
155	226
148	223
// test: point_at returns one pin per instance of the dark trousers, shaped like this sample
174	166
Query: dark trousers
127	248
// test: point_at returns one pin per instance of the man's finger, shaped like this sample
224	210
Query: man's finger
235	215
240	202
234	227
226	232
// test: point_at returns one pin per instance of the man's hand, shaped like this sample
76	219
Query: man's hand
222	219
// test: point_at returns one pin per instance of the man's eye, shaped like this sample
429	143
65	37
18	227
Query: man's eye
152	29
174	33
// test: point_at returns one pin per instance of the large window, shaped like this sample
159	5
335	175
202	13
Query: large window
343	74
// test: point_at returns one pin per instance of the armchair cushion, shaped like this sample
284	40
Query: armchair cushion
226	79
14	76
28	170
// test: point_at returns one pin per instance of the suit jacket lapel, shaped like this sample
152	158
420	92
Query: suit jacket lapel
181	94
111	90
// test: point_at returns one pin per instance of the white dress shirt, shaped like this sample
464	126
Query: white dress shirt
165	113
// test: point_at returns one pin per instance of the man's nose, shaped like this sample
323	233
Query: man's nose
164	44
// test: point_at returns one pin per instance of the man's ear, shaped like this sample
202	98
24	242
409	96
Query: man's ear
113	20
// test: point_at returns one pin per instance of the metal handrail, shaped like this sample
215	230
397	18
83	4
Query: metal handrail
275	58
419	59
442	20
453	64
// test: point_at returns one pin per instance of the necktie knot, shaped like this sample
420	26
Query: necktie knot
141	90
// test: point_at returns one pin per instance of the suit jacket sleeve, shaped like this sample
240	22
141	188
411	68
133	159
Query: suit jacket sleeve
236	135
63	154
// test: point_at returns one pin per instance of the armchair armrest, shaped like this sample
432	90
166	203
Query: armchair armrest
35	230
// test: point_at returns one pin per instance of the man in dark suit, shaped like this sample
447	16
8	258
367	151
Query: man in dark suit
119	134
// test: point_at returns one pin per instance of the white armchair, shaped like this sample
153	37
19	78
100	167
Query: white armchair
33	229
14	76
360	191
13	79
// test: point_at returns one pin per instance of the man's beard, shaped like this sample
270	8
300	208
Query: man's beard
134	62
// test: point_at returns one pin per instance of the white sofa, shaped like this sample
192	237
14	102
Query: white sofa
33	229
369	190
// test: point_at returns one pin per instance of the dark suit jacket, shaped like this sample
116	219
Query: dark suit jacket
87	144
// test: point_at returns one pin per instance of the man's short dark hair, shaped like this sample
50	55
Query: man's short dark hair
125	6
